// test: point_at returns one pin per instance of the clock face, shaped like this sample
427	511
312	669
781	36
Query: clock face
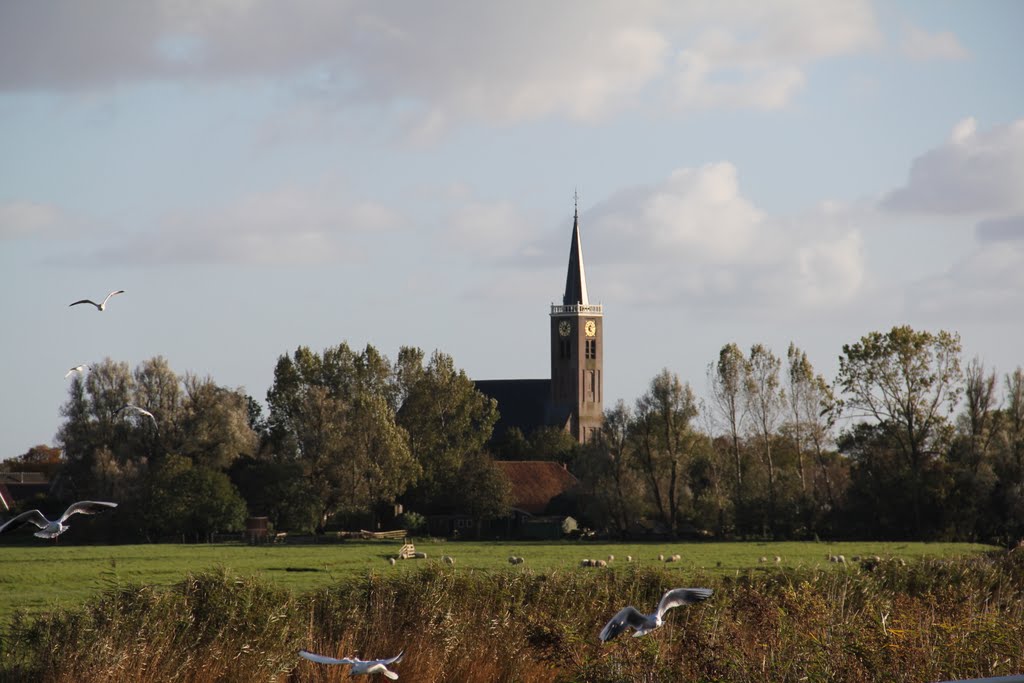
590	328
564	328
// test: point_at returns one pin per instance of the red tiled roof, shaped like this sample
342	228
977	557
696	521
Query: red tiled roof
536	482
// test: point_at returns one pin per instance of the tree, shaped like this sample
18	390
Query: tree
615	497
215	424
333	414
764	400
446	420
189	501
909	381
664	441
726	379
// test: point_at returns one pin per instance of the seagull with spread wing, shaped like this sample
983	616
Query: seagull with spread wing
99	306
644	623
359	666
54	528
138	410
78	368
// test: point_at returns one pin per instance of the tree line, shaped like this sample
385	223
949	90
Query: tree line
903	444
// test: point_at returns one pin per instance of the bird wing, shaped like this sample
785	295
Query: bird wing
682	596
379	668
85	301
87	507
396	658
116	291
322	659
29	517
627	616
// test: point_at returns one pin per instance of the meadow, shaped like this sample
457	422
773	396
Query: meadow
39	577
927	612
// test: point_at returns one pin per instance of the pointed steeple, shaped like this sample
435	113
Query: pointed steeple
575	279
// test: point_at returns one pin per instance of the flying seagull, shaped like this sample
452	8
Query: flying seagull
77	368
359	666
99	306
644	623
136	409
53	529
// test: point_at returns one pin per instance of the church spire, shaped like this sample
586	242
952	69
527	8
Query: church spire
575	279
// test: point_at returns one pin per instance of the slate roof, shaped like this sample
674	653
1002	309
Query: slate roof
535	483
522	403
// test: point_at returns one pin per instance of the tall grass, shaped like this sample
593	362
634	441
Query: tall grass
931	620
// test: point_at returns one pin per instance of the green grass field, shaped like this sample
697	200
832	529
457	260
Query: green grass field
41	577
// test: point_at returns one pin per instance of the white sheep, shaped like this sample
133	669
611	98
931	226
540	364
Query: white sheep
584	563
611	558
661	558
762	559
448	559
629	558
602	563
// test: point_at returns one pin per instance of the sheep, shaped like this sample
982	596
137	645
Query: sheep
602	563
515	560
762	559
585	563
840	559
391	561
833	558
629	558
611	558
677	558
661	557
778	560
448	559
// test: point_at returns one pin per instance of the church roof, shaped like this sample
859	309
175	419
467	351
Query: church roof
575	279
522	403
535	483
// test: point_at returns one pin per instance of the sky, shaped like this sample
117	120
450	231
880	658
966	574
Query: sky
259	176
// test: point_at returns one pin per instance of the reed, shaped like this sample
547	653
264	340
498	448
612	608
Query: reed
930	620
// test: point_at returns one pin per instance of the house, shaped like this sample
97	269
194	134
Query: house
21	488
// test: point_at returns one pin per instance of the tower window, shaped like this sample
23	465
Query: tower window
591	349
564	349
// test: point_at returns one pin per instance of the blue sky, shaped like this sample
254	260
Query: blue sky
259	176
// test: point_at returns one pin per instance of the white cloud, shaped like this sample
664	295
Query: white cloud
445	61
987	284
289	226
695	238
976	172
27	219
920	45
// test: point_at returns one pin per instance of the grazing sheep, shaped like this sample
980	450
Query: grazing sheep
602	563
611	558
833	558
855	558
840	559
391	561
515	560
661	558
584	563
448	559
629	558
677	558
778	560
762	559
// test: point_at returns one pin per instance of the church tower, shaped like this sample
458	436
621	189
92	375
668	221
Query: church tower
577	350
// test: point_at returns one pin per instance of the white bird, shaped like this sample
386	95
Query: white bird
644	623
53	529
78	368
136	409
359	666
99	306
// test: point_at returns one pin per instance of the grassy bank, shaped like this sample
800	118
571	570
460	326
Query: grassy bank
929	620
